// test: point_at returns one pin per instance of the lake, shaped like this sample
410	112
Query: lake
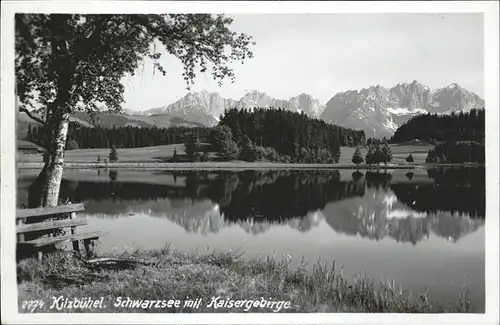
422	229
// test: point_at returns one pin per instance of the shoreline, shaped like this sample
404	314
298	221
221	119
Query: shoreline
238	166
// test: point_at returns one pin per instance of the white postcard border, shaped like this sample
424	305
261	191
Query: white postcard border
8	153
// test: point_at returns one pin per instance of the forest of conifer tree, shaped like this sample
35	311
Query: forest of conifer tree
121	137
468	126
291	134
281	135
257	134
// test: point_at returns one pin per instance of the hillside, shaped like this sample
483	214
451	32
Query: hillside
110	120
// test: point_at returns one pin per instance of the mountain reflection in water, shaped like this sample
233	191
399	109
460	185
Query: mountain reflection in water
450	203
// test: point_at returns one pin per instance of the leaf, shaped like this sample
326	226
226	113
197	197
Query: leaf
76	62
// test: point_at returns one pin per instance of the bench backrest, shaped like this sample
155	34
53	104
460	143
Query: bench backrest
39	212
23	215
33	234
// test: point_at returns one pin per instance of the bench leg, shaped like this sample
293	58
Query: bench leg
87	243
76	246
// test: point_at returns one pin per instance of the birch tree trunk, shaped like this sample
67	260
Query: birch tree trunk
55	162
45	189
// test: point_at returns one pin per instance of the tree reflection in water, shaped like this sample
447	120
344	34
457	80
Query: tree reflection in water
370	204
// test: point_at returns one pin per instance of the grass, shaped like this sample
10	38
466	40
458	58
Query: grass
145	154
174	275
161	154
399	153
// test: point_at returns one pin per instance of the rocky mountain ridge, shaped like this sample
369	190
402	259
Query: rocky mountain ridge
379	111
205	107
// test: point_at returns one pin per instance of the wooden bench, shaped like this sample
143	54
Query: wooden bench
39	222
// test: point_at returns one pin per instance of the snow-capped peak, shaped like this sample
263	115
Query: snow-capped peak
379	111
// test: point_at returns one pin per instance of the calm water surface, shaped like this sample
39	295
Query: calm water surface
423	229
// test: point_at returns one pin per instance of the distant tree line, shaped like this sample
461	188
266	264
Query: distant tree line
457	152
468	126
280	135
121	137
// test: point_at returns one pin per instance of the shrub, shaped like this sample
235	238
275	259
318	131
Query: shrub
229	150
72	145
205	156
324	156
271	154
285	159
248	150
260	153
304	155
113	154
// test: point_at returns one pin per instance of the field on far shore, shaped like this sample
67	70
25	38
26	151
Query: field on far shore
166	152
399	153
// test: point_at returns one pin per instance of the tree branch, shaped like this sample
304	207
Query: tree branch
34	118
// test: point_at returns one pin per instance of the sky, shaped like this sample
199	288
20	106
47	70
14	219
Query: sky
322	54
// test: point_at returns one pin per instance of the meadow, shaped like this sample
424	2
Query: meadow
165	153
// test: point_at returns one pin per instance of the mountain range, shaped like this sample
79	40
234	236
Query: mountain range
204	107
379	111
376	110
